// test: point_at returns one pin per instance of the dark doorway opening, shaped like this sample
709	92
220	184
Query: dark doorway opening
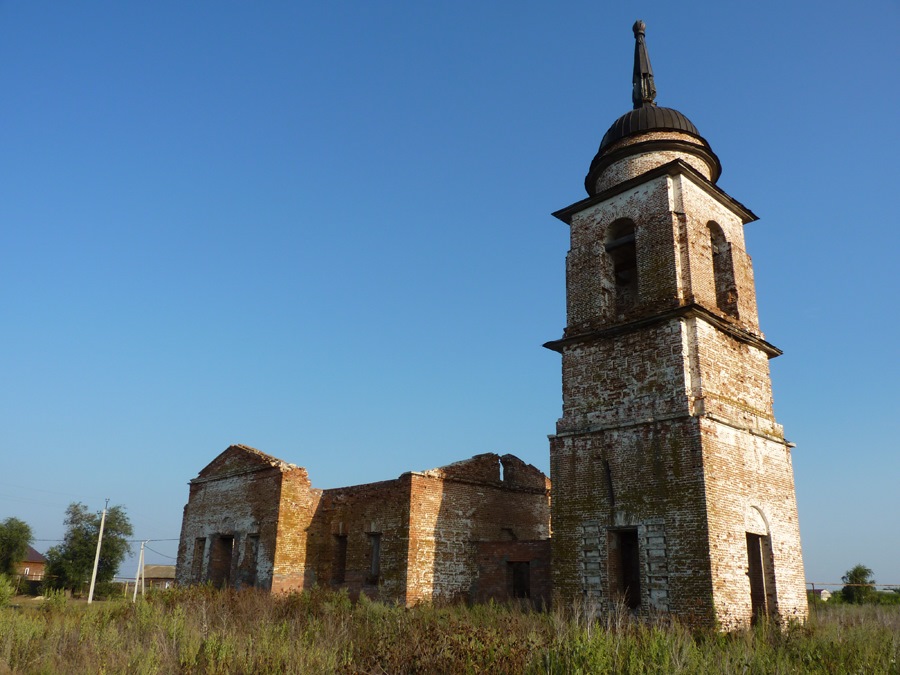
339	563
625	567
756	570
519	574
220	557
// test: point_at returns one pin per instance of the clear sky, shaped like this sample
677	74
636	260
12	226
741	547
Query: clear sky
323	230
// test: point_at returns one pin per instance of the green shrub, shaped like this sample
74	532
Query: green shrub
55	600
7	590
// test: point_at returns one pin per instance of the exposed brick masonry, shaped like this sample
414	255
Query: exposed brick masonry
412	539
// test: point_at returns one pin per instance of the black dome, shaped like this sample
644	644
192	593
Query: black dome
646	118
649	118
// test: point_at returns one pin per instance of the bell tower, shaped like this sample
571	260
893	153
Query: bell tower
672	486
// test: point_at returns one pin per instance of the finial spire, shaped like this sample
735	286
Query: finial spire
644	91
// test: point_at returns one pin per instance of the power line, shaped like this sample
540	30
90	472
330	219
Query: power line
162	554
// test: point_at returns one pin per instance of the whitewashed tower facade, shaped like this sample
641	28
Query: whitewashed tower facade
672	485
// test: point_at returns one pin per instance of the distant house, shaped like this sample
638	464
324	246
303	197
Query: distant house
159	576
821	594
32	568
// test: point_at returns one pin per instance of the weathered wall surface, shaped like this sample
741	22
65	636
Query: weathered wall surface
297	505
730	378
590	280
454	507
642	162
254	520
750	488
644	476
359	539
700	209
496	572
236	496
616	381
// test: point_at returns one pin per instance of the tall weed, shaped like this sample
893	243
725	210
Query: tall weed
203	630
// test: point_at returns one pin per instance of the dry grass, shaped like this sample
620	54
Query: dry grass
200	630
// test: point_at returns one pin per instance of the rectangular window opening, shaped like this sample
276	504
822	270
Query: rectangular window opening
625	567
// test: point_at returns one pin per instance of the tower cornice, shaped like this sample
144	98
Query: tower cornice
675	167
685	311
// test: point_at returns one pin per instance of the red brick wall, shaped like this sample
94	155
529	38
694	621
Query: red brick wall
456	506
494	580
357	513
236	495
298	502
426	525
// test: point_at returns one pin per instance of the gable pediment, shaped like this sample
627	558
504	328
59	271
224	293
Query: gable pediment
238	459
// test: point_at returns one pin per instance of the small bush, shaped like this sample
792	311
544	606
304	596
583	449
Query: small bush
7	590
55	600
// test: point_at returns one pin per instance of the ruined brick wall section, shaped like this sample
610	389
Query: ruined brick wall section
297	504
750	486
362	513
518	474
632	376
450	513
481	468
646	477
641	162
426	495
689	198
237	505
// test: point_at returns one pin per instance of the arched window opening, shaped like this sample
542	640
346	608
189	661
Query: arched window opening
620	245
723	271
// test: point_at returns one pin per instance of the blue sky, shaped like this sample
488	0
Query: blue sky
323	230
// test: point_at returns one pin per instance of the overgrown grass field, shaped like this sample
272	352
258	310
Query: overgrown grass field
201	630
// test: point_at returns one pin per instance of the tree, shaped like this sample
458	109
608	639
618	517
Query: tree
69	565
860	586
15	536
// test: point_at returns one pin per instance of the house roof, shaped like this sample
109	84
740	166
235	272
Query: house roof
159	571
32	556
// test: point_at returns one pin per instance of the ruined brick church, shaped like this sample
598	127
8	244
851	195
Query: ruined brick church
672	487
